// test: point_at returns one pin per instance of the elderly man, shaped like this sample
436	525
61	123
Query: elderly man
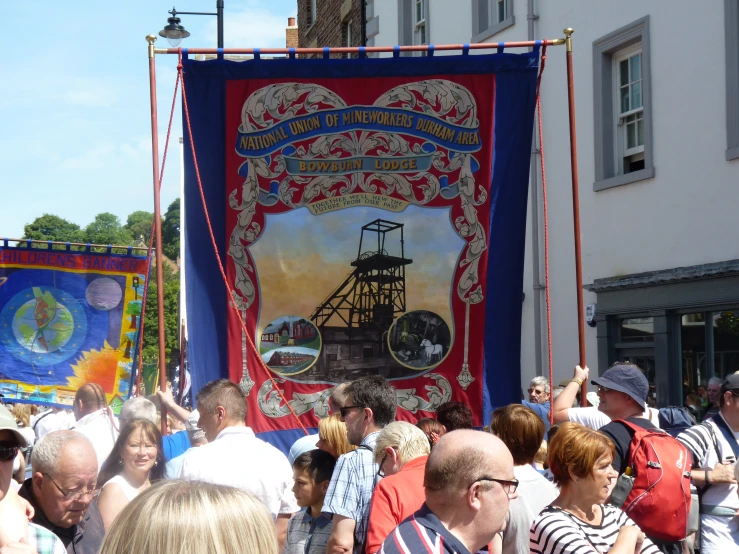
714	448
14	526
539	399
469	482
713	393
370	406
401	452
234	456
61	490
95	420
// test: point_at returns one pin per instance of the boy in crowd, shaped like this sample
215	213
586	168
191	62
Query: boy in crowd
309	530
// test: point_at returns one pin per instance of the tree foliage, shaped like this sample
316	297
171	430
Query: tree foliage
171	320
139	225
171	231
52	227
106	228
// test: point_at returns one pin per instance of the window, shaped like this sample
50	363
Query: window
419	32
346	36
490	17
731	23
312	12
622	102
629	110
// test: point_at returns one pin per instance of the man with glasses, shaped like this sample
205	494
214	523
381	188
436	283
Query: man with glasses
14	525
62	488
539	396
369	406
714	448
469	483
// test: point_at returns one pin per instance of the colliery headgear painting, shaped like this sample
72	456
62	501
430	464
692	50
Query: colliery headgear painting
371	218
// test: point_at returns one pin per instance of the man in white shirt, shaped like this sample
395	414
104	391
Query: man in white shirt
234	456
95	420
53	419
714	447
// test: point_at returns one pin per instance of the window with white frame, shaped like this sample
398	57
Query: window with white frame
490	17
312	11
629	103
346	36
419	18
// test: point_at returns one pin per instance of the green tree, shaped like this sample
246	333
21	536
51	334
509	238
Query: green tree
171	231
52	227
106	228
151	324
139	225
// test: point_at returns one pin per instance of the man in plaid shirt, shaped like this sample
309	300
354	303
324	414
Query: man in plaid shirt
369	407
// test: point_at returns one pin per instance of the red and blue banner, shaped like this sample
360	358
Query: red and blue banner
370	214
67	318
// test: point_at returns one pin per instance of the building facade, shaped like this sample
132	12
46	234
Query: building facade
331	23
657	98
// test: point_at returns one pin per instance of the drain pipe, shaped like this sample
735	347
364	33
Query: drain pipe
531	18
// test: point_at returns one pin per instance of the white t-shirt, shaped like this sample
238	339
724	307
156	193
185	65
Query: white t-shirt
595	419
534	494
719	535
237	458
46	422
129	491
101	431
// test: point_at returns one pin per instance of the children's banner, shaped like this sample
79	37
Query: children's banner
67	318
370	214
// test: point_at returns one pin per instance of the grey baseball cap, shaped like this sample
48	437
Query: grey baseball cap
7	423
627	379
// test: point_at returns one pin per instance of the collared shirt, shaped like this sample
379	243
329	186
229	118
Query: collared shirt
422	532
101	431
43	540
237	458
350	492
50	421
307	534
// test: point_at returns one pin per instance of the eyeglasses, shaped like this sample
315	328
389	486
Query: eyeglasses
534	391
345	409
380	471
603	390
508	486
8	451
72	495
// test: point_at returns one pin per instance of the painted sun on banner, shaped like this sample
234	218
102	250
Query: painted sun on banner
66	319
365	201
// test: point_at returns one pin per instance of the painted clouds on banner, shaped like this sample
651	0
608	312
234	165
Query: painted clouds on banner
67	318
370	214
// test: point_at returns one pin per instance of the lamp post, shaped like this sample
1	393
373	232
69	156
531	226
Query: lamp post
174	31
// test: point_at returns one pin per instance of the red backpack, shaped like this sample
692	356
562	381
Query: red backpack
659	502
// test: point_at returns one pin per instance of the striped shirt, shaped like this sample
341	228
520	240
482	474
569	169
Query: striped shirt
350	492
422	533
555	531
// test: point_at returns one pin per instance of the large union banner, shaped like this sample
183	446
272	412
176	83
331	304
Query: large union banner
371	215
67	318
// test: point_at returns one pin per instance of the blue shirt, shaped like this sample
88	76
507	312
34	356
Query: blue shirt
350	492
307	534
175	445
418	531
542	410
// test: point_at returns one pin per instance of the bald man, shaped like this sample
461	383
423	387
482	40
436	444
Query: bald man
469	482
94	420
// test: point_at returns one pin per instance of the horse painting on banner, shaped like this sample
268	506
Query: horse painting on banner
371	218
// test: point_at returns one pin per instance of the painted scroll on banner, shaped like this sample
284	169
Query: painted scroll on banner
370	214
67	318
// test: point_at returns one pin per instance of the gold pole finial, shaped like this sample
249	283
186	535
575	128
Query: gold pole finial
151	39
568	38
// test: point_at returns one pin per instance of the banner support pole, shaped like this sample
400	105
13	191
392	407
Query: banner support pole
576	207
157	224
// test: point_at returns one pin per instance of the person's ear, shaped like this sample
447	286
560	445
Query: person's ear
473	496
323	487
37	479
369	414
221	413
392	454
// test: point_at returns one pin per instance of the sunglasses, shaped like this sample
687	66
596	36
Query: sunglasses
345	409
8	451
534	391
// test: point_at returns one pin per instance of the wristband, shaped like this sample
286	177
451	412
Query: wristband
708	481
577	380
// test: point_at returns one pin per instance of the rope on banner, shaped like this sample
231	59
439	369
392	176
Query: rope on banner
546	229
150	250
218	256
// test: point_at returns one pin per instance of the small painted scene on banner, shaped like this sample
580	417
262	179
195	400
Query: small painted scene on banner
63	324
354	273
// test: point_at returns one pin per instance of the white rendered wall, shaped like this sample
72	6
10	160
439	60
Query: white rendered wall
686	215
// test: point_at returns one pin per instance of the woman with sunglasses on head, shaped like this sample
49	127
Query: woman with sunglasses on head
17	534
579	520
136	460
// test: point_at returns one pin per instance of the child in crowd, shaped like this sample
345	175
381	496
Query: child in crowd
309	530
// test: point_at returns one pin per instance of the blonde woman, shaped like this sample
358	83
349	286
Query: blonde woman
192	517
332	436
135	461
22	415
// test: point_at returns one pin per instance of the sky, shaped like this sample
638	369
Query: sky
75	128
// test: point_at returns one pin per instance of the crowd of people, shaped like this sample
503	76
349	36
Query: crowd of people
600	479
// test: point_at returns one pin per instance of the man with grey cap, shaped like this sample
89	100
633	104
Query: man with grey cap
714	448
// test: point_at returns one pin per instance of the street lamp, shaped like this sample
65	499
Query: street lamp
174	32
